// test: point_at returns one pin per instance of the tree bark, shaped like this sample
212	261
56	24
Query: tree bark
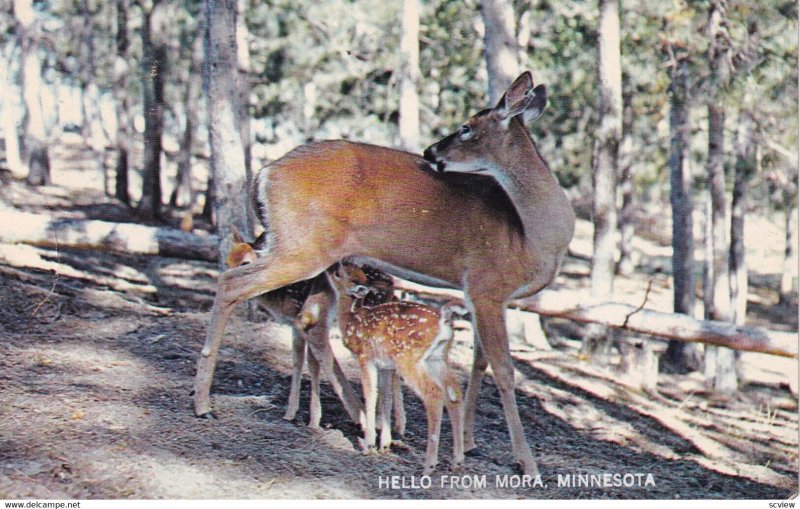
681	357
35	147
744	170
91	127
229	180
604	170
243	88
154	60
500	46
183	195
121	71
627	218
409	77
789	254
720	363
9	117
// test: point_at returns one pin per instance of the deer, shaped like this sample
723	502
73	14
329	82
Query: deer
306	306
407	339
480	211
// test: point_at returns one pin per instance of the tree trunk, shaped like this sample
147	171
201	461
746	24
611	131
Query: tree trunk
121	70
604	169
409	77
9	117
627	218
154	60
789	254
500	46
91	128
229	181
35	146
243	88
745	168
681	357
183	195
720	363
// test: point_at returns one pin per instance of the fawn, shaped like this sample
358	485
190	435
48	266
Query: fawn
410	339
306	307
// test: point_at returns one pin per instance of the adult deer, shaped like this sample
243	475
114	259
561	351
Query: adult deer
497	238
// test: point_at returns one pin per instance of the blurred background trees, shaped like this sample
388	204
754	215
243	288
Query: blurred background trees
700	113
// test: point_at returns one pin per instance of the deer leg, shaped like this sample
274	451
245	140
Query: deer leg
490	321
319	346
479	365
234	286
298	358
208	357
433	408
369	384
385	377
315	407
399	409
455	412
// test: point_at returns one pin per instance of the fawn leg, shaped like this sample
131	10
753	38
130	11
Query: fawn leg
399	408
385	377
298	358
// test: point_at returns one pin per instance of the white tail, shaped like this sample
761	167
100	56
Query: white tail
403	338
497	238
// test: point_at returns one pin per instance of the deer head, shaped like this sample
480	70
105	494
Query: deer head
484	139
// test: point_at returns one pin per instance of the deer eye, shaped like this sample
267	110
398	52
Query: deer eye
466	132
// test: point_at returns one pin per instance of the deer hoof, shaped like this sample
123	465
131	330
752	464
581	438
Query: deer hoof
473	453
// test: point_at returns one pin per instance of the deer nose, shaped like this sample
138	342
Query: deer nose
436	162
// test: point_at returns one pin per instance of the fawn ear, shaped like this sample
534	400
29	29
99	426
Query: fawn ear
358	291
336	272
237	237
456	308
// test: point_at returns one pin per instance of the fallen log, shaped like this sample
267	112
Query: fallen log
567	304
45	231
576	305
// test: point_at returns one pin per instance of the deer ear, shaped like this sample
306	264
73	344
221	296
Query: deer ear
358	291
537	105
237	237
456	308
516	98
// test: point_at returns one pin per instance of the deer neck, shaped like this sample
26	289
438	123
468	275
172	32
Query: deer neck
547	217
347	310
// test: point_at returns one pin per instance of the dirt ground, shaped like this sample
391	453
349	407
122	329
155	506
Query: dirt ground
96	374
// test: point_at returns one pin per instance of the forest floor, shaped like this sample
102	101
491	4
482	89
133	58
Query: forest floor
96	370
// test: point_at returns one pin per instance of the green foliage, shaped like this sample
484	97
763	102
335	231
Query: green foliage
328	69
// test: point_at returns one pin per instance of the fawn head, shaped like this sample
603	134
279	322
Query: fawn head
361	282
453	309
242	252
488	137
